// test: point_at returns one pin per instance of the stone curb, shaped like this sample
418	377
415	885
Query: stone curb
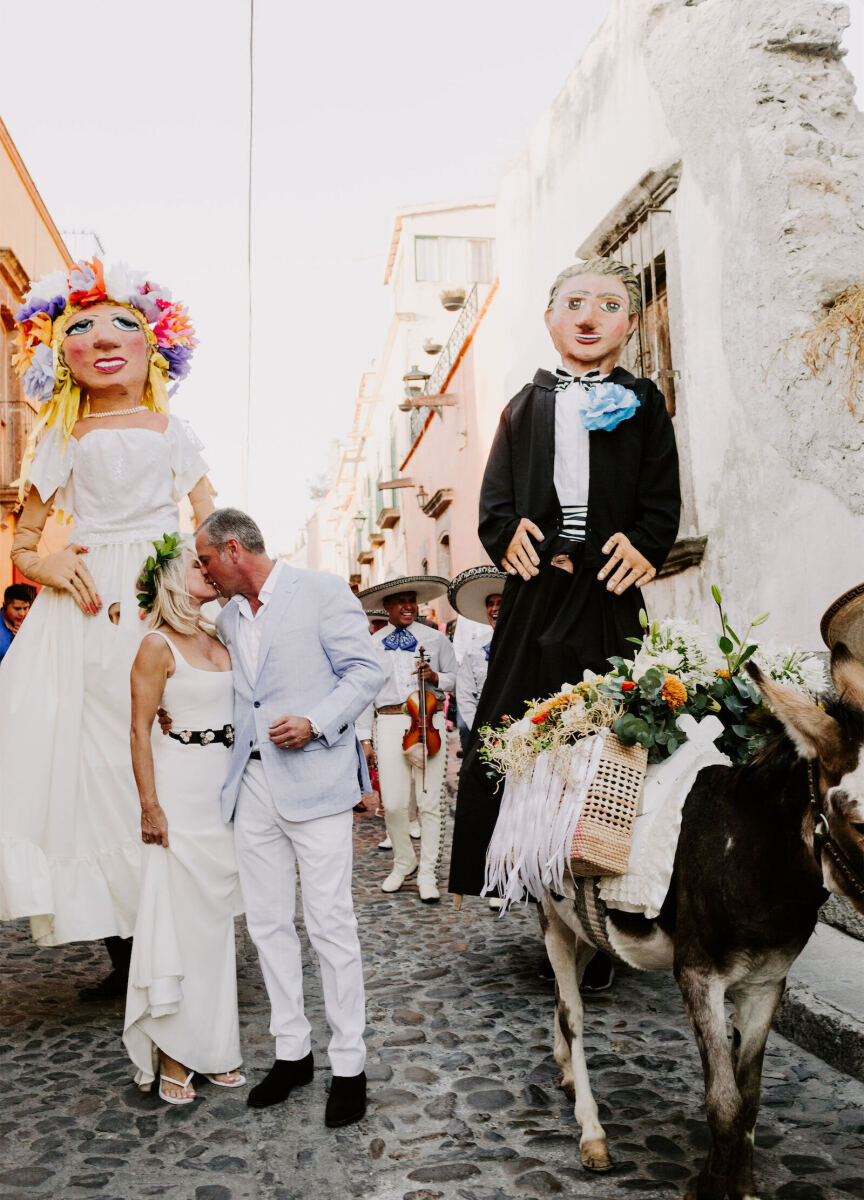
835	1036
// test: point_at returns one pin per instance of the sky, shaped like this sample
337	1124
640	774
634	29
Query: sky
134	123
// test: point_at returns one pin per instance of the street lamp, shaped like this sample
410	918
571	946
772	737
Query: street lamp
415	380
421	497
359	520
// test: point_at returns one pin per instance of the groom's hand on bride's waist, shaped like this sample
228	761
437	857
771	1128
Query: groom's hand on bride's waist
291	733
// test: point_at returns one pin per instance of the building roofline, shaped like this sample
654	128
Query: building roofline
419	210
33	192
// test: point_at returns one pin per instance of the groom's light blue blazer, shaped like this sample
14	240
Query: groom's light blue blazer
316	660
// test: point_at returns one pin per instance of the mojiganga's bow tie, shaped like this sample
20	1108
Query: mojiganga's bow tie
400	639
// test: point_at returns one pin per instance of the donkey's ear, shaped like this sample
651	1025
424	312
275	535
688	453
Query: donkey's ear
847	674
813	732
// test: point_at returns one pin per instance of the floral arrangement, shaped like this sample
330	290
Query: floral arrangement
170	546
91	283
678	668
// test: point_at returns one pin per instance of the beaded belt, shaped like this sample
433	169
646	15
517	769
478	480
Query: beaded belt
204	737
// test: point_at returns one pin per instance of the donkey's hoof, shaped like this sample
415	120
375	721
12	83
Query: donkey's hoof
595	1155
566	1086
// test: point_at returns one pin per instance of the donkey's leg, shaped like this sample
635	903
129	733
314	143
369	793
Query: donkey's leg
754	1011
568	954
703	998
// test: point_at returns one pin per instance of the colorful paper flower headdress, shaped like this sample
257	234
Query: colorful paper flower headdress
49	308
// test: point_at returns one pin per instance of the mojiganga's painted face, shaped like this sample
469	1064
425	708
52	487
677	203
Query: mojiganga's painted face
199	586
402	609
105	348
589	322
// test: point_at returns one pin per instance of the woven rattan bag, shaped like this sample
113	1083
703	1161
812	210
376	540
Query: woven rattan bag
601	842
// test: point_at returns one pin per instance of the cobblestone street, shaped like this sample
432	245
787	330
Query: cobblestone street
462	1095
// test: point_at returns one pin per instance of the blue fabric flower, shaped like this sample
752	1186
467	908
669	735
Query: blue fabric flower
39	378
606	405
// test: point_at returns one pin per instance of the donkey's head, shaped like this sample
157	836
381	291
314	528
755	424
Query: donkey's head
832	738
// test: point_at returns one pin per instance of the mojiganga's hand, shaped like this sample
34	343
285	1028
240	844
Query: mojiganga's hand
520	557
626	565
291	733
154	826
65	571
164	718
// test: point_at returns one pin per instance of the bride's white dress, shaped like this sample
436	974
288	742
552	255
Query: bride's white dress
182	995
70	842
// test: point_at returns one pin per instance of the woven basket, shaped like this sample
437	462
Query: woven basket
601	843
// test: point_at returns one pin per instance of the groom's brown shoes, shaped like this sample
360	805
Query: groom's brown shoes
280	1080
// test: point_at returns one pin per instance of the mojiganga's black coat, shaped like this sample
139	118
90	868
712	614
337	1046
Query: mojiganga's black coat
554	626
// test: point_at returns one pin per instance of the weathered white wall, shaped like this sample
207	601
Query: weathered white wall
769	216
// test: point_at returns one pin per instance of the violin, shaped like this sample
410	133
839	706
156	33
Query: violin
421	707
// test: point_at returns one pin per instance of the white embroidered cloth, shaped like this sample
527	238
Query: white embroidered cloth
655	832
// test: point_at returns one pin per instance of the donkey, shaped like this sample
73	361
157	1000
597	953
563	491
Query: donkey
761	847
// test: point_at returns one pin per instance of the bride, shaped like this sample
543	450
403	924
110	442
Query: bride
98	348
181	1006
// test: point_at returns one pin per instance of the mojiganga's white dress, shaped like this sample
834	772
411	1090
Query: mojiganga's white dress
70	842
182	996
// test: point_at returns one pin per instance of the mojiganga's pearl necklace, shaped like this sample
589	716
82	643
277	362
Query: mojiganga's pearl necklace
117	412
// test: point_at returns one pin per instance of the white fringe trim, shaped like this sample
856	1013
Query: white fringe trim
529	850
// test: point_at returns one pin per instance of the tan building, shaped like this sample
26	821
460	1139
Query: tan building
30	246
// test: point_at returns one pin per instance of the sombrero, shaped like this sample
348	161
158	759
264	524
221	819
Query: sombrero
377	614
426	587
468	591
844	622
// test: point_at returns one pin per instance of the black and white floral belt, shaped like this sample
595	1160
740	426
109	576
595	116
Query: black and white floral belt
204	737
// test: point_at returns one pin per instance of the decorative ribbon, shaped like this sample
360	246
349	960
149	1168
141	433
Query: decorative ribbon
400	639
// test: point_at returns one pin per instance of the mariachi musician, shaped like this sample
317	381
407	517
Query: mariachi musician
410	741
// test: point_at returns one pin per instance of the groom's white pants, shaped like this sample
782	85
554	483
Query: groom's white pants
270	851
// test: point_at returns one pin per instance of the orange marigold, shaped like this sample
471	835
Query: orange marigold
674	692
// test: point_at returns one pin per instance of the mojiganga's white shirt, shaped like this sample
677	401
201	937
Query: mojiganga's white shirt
400	666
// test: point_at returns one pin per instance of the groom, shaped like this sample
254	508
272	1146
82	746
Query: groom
304	669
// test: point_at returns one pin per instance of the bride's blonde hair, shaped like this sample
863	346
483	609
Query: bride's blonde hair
172	606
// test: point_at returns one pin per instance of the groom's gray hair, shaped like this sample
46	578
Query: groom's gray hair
225	523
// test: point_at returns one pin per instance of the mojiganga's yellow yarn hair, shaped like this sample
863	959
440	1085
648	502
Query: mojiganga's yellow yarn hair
70	401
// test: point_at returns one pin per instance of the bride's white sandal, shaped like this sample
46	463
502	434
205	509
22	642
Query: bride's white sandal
163	1095
238	1082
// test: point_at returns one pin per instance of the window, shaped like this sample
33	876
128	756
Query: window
444	555
453	259
639	235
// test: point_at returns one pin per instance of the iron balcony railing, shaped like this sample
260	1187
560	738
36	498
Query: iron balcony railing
446	359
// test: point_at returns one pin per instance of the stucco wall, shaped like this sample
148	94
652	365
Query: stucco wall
769	224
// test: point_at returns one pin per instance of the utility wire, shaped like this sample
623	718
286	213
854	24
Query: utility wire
248	438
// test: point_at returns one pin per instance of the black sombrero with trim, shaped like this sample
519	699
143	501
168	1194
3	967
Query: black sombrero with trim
425	587
468	591
843	622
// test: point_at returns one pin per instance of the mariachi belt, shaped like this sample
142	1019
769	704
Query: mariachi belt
204	737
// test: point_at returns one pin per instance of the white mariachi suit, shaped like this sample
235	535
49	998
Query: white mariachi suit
472	675
395	773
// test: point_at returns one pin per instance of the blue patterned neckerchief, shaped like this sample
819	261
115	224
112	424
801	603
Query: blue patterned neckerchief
486	650
400	639
603	405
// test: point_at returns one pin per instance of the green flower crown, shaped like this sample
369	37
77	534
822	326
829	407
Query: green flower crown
170	547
